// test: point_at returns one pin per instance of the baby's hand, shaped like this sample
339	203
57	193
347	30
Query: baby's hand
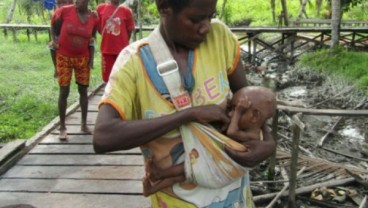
243	104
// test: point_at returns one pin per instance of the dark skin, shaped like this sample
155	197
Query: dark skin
83	14
181	31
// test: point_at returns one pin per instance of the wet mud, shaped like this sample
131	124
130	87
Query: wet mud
338	139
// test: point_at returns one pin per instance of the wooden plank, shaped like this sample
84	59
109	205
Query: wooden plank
10	148
73	139
75	118
82	160
76	172
95	100
56	200
91	108
74	149
331	112
72	186
74	129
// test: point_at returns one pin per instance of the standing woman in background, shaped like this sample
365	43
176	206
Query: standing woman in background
77	26
116	26
55	34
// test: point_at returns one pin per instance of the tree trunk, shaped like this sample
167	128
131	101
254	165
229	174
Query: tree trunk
285	12
318	6
335	23
11	12
273	10
223	9
302	10
139	9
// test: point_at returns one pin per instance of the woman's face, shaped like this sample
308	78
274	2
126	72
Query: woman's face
190	26
81	3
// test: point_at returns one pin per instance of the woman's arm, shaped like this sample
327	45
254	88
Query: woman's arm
257	152
112	133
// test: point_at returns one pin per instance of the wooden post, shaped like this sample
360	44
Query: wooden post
14	35
254	53
297	127
285	11
250	47
272	160
28	34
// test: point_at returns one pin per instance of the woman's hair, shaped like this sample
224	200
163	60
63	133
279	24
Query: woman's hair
178	5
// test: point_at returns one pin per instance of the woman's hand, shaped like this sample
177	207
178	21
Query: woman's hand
211	114
257	152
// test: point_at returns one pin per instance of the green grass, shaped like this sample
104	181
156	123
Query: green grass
349	65
28	90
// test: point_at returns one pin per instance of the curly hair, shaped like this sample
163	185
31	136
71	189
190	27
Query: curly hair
178	5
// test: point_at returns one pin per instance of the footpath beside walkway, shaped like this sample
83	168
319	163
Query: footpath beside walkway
55	174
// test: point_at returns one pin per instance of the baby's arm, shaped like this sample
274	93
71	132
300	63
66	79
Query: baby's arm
233	130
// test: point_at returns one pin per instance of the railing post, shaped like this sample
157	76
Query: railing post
297	127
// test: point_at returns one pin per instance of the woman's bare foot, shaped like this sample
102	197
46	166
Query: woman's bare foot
63	136
86	129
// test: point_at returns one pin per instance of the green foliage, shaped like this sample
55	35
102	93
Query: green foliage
236	11
28	90
341	62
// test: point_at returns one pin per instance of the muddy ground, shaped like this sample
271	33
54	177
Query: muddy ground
346	142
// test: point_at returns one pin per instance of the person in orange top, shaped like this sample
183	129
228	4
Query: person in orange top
116	26
75	52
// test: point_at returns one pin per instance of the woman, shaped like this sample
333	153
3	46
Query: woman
136	113
75	52
116	26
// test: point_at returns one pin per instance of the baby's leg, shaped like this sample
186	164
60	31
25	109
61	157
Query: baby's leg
151	188
156	173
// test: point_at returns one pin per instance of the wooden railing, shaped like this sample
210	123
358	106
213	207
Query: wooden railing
30	29
327	22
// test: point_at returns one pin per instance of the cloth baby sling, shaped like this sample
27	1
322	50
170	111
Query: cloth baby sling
206	163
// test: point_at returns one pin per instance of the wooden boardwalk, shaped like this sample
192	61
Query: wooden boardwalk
46	173
69	174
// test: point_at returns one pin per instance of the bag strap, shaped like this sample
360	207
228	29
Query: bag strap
168	69
112	16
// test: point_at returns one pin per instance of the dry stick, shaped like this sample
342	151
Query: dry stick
364	201
282	190
306	189
320	144
346	155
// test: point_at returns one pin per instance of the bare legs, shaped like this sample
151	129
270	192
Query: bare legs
62	103
83	101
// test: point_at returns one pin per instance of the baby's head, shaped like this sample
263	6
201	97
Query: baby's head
263	101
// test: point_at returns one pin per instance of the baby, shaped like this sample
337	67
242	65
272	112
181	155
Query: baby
250	106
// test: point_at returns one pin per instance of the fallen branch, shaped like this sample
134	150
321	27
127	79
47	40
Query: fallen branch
343	154
306	189
283	189
320	144
364	201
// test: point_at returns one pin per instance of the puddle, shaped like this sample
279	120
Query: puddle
352	134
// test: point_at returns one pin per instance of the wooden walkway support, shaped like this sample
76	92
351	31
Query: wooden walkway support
282	44
69	174
30	29
286	44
